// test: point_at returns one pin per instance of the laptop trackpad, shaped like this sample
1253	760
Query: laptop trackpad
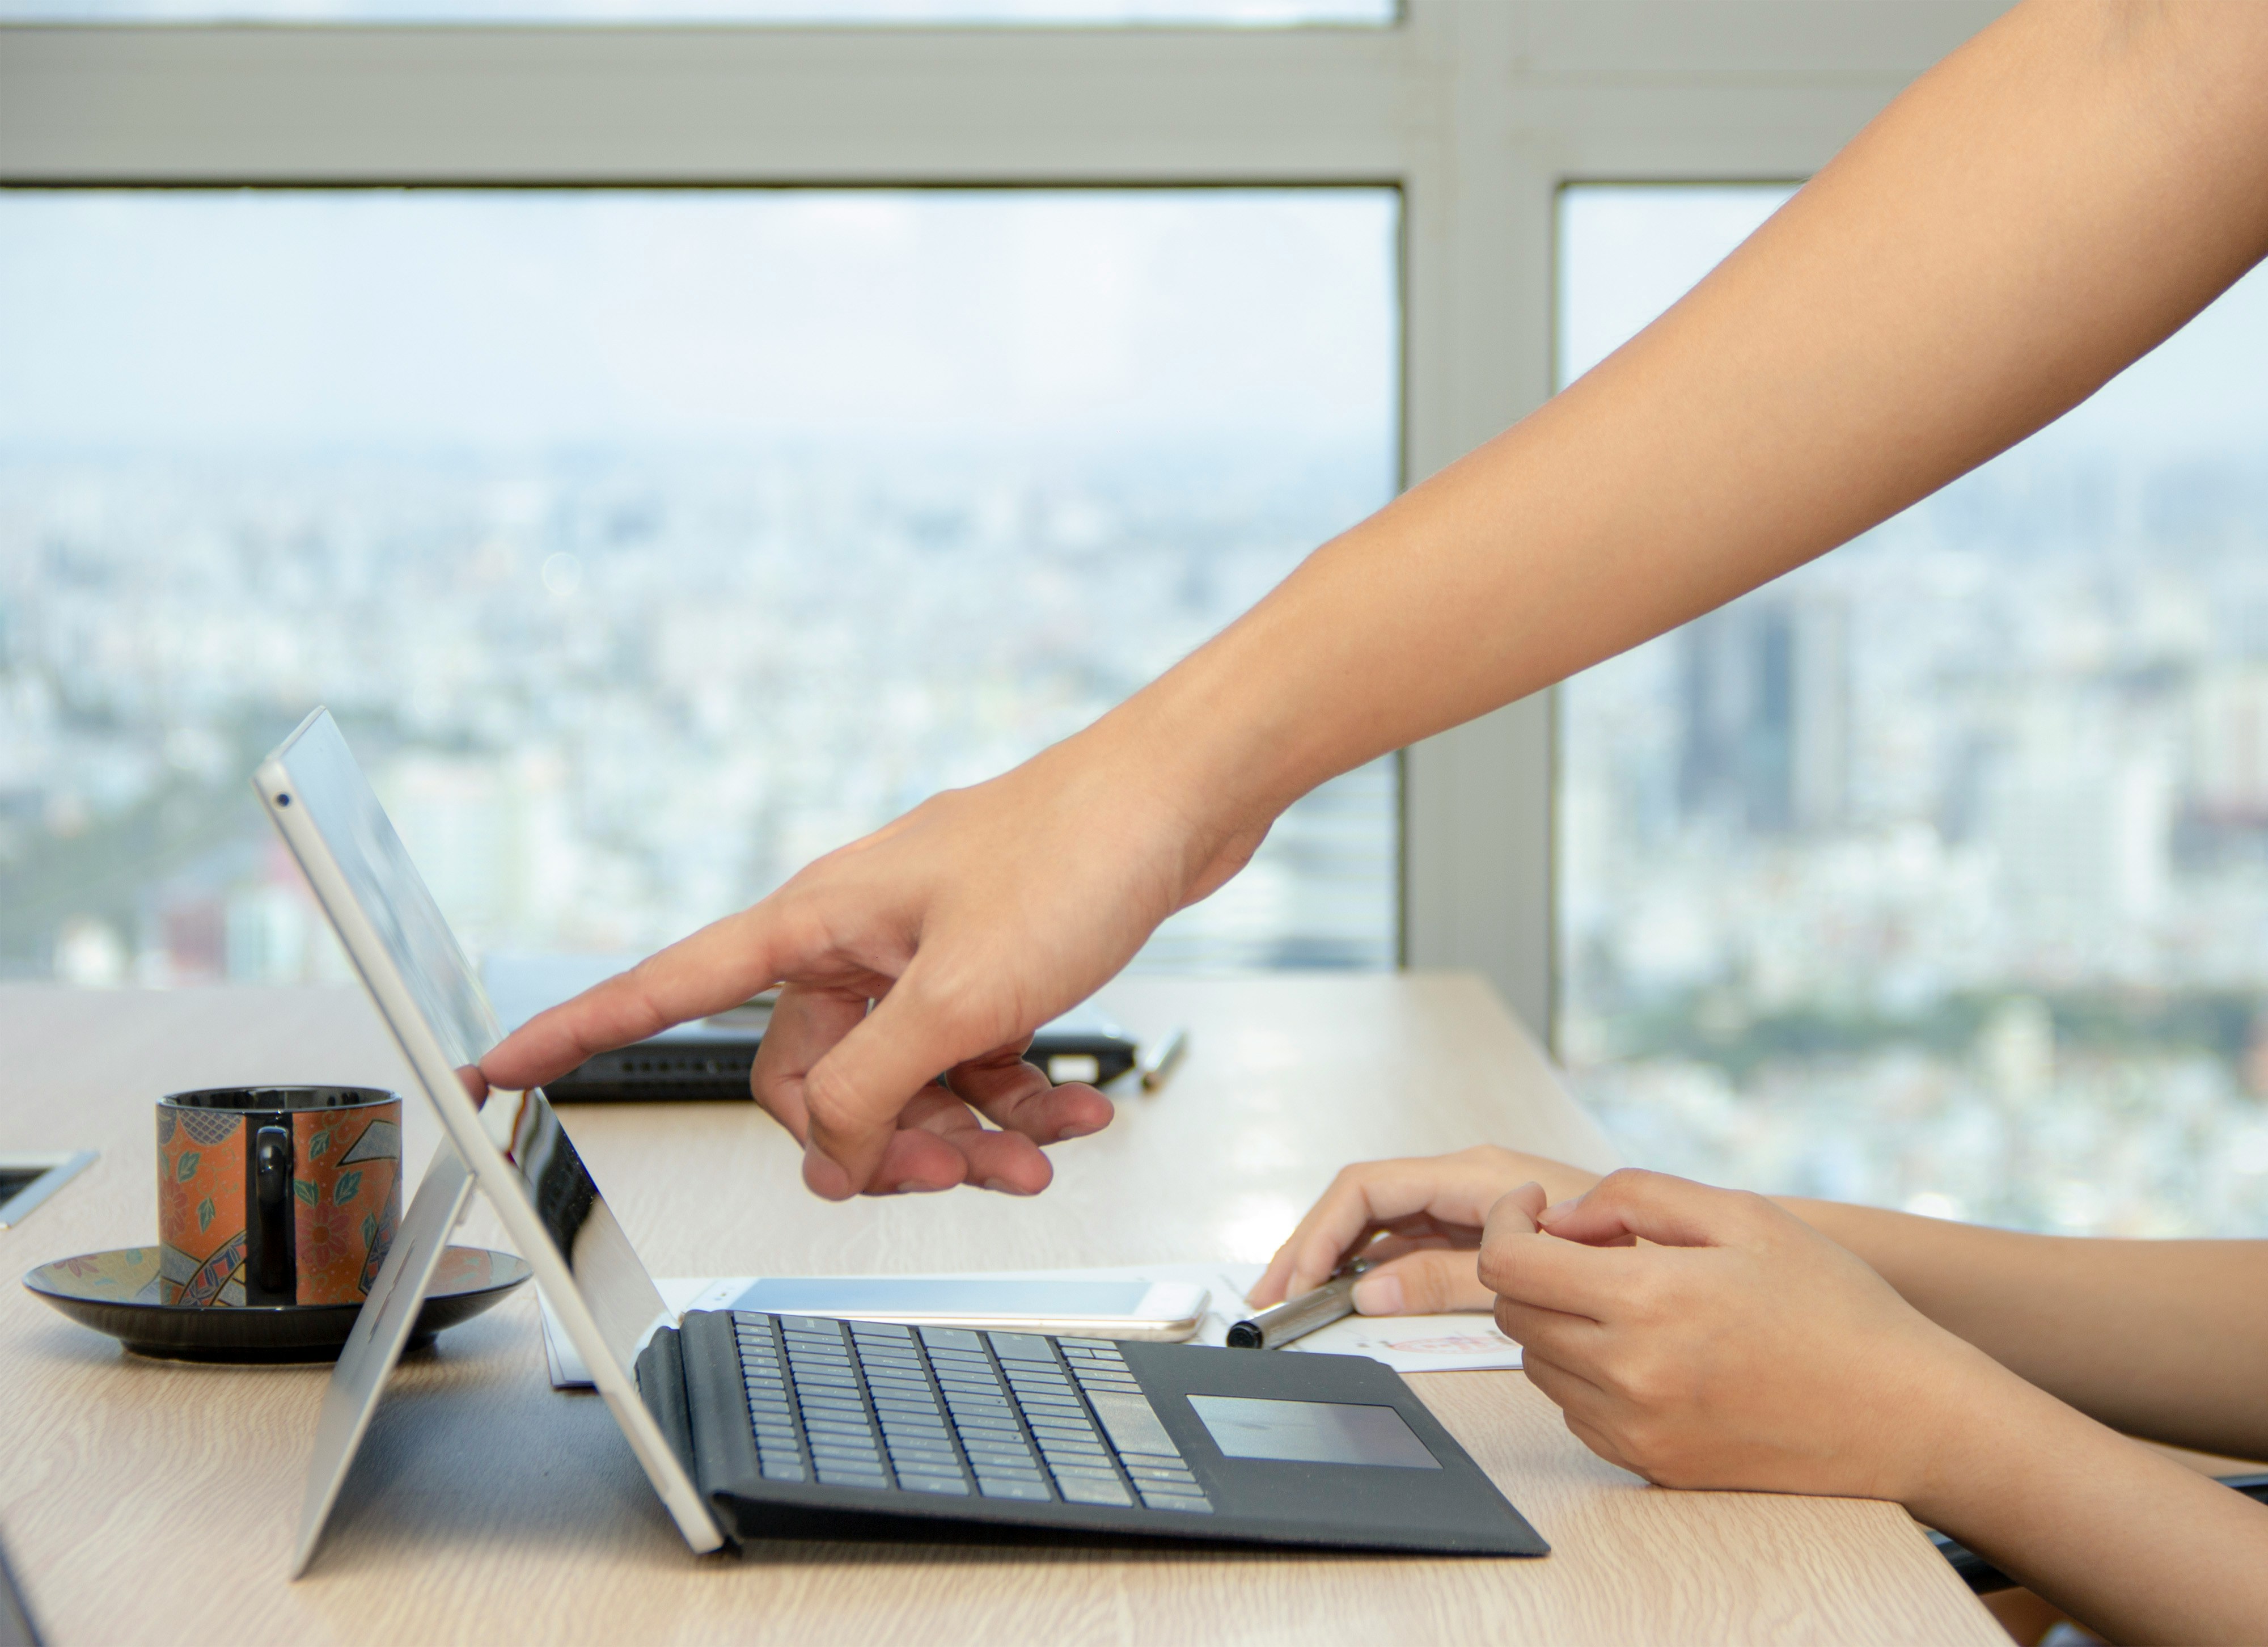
1311	1432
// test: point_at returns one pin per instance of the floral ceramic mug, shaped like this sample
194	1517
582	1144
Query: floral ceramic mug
276	1195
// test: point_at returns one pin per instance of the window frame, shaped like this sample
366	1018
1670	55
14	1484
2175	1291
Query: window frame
1477	111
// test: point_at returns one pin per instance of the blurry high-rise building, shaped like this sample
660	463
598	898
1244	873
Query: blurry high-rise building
1765	743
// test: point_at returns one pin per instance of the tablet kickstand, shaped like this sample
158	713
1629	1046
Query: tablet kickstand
381	1332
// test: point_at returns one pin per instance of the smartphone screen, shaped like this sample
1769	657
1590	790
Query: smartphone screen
908	1297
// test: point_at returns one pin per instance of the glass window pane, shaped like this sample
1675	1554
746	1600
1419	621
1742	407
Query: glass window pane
1228	13
1935	875
647	544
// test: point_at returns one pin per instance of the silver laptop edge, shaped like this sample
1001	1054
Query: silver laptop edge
296	784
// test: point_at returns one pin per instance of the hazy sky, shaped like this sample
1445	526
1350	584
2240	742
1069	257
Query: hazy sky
1626	253
533	318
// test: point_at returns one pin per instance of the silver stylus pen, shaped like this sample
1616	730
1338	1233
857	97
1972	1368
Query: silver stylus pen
1296	1318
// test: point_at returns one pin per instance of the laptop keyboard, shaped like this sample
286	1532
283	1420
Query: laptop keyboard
945	1412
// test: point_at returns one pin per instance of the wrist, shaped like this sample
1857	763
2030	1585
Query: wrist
1216	742
1974	1424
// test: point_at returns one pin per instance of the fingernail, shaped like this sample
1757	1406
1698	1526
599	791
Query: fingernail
1075	1130
911	1188
1558	1210
1001	1187
1377	1294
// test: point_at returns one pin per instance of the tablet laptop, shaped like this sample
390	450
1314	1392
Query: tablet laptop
753	1424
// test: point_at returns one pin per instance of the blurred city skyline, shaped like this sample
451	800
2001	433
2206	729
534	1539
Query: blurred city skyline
646	545
1936	874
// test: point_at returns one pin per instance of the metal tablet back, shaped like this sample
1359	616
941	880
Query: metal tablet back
510	1143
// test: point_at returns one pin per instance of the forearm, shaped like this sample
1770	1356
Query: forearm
2138	1547
2155	1338
2043	207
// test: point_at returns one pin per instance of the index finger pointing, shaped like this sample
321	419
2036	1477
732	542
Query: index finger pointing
721	965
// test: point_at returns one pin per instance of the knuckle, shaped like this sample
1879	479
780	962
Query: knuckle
963	1006
1496	1265
830	1100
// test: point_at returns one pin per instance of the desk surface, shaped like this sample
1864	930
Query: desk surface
144	1501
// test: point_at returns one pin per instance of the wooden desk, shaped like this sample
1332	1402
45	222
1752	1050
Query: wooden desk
147	1501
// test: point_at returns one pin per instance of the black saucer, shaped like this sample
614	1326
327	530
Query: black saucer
116	1292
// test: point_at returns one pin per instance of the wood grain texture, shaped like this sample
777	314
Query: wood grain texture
144	1501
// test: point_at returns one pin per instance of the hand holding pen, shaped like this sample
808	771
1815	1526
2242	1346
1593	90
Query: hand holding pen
1417	1224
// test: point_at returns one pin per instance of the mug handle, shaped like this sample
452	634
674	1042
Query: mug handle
271	1154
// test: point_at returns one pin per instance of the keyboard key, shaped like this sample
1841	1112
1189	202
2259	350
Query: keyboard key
1032	1491
1170	1461
852	1478
937	1338
881	1329
941	1484
786	1470
1132	1423
1082	1472
1160	1501
1158	1471
1022	1347
935	1463
1087	1492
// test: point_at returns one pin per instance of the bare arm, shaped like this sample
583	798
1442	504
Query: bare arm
1732	1345
2162	1339
2041	208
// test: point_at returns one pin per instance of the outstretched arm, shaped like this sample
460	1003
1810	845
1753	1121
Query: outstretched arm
2039	209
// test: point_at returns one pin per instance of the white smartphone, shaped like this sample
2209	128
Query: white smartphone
1160	1311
